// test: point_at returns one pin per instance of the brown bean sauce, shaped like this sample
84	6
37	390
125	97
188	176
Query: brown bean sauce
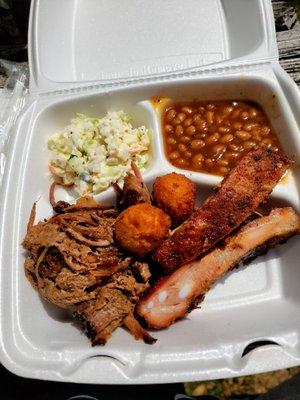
213	136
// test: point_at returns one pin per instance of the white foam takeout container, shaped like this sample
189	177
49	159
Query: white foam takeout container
95	56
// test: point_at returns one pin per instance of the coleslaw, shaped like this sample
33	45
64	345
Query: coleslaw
92	153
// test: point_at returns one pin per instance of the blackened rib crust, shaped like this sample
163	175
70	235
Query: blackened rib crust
241	192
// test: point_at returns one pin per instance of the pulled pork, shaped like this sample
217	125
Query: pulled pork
73	262
134	190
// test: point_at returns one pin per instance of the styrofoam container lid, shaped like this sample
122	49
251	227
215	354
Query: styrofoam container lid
75	42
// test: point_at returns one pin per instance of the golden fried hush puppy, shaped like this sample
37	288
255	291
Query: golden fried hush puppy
175	194
140	228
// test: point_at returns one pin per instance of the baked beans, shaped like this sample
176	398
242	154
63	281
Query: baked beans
213	136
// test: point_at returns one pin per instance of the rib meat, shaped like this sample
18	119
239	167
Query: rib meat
177	294
240	193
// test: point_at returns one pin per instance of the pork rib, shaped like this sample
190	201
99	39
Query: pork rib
240	193
175	295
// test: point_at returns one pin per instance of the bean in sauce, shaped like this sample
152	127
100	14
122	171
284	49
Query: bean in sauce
213	136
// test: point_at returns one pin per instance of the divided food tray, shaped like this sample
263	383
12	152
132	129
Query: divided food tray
259	302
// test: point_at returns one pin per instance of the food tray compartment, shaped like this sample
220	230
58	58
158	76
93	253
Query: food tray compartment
209	342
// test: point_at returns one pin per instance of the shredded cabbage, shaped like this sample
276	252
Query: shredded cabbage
92	153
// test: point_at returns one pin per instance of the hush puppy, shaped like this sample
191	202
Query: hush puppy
141	228
175	194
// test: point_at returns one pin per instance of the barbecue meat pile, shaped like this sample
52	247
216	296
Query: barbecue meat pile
74	263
